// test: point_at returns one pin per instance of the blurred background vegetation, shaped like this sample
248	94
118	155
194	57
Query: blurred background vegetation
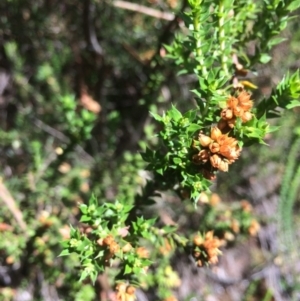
77	82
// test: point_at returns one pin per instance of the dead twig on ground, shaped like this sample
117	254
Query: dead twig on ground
9	201
144	10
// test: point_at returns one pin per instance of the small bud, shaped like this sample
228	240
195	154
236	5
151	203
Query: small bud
204	140
127	248
121	287
214	147
226	114
142	252
215	161
198	240
108	240
100	242
246	206
214	199
199	263
203	198
215	133
130	290
114	247
213	260
223	166
229	236
203	155
254	227
235	226
246	116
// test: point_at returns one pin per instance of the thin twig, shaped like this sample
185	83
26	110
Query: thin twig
9	201
144	10
62	137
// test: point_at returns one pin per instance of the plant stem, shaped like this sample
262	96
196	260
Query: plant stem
197	36
222	37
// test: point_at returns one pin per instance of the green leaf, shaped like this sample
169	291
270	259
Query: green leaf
83	275
193	128
265	58
294	103
175	114
177	160
83	208
293	5
191	115
64	253
94	276
275	41
148	154
85	218
127	270
156	116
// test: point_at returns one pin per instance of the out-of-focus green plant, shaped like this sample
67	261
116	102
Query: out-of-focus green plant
193	147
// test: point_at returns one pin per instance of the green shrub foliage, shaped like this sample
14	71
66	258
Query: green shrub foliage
114	122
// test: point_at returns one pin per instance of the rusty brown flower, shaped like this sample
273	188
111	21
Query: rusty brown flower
207	248
238	106
142	252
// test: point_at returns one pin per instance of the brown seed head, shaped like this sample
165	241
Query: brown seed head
127	248
214	199
201	157
244	101
198	240
246	206
246	116
254	227
235	226
232	102
215	161
227	114
130	290
114	247
108	240
142	252
223	166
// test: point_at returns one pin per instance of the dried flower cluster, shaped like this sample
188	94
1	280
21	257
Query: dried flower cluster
111	245
254	227
218	151
125	292
239	106
206	249
166	248
142	252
